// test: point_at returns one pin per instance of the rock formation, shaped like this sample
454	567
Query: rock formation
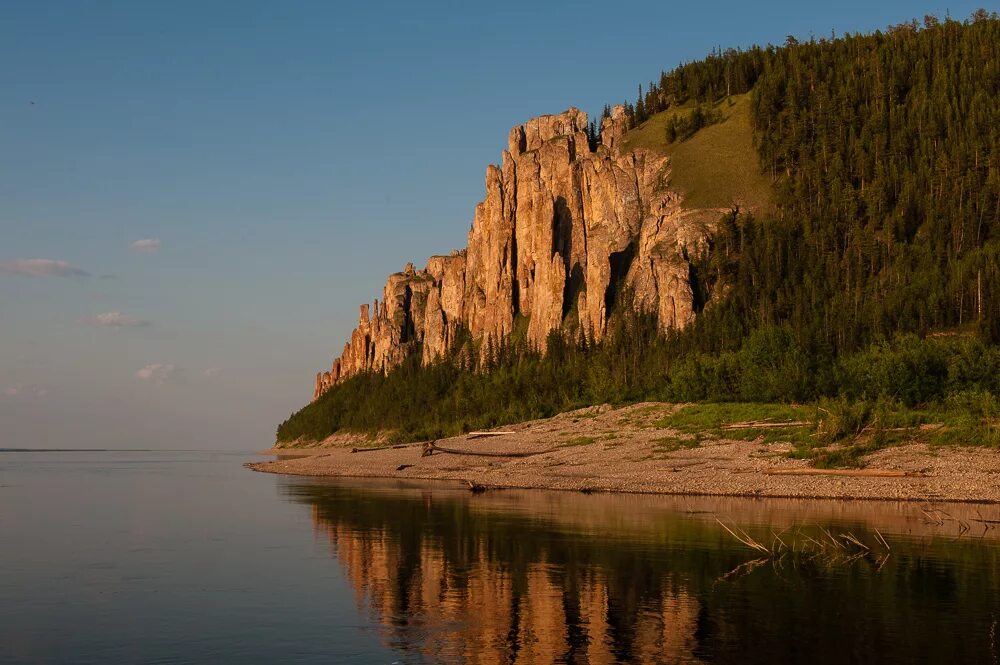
561	231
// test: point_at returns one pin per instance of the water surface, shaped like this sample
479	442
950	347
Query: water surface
179	557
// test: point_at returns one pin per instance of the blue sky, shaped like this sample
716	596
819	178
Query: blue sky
280	159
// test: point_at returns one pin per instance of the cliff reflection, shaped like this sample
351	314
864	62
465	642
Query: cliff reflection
448	583
528	578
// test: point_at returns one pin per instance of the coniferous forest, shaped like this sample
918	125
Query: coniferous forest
875	275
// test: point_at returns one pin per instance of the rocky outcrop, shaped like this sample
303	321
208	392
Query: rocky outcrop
561	231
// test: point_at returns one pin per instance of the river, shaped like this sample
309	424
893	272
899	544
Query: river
187	557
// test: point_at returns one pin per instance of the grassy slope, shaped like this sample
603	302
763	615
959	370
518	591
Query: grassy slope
837	433
715	168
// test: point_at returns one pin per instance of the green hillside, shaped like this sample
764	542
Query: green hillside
717	167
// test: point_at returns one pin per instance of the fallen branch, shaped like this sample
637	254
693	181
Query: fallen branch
931	519
431	448
832	539
851	538
743	569
677	467
744	538
483	435
765	424
397	446
861	473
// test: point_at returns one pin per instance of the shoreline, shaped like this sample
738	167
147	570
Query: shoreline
463	484
619	450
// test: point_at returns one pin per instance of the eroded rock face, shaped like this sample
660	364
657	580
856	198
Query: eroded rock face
560	231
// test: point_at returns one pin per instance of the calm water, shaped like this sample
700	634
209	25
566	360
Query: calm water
178	557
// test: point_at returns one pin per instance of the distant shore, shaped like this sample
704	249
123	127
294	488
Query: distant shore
604	449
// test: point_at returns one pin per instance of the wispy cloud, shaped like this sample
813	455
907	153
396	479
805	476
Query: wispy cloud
117	320
41	268
212	371
155	372
148	245
21	390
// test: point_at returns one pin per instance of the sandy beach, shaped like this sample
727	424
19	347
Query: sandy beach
604	449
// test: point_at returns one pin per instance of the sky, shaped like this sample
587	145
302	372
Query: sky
196	196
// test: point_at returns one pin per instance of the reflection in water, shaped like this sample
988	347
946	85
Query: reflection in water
537	577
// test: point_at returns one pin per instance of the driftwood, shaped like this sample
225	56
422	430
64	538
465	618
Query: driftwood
861	473
431	447
397	446
766	424
677	467
483	435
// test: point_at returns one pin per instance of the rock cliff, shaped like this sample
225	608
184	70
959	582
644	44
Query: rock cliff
562	230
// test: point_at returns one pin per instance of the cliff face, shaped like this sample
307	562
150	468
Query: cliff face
561	230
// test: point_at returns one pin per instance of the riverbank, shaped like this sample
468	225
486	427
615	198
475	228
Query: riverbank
645	448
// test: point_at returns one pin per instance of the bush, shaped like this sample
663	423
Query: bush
772	367
909	369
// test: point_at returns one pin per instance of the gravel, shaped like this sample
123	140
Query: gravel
623	457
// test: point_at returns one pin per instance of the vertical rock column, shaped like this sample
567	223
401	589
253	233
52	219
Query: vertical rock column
560	232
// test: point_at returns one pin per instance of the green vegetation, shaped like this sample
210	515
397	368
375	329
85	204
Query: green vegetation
579	441
739	421
839	432
867	285
681	128
716	165
702	418
847	430
670	444
652	134
949	380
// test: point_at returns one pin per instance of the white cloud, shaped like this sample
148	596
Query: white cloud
41	268
155	372
212	371
21	390
148	245
117	320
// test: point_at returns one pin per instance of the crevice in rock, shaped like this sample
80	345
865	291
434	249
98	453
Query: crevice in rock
656	286
621	262
562	228
515	286
699	290
407	329
571	290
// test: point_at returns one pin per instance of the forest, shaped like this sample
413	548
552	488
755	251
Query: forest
874	277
